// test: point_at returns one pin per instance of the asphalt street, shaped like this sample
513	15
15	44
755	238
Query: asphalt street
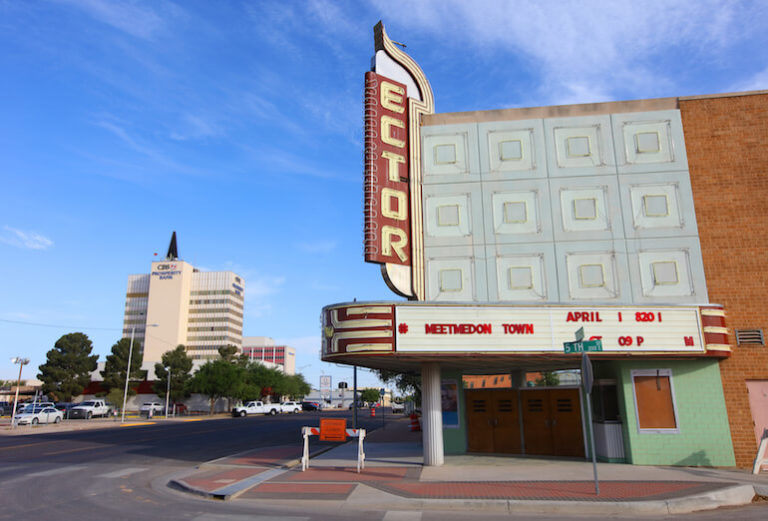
119	473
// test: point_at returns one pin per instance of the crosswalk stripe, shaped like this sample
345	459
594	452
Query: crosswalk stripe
402	515
53	472
122	473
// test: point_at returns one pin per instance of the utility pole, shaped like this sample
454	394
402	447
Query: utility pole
22	362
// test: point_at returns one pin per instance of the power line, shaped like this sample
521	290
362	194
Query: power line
40	324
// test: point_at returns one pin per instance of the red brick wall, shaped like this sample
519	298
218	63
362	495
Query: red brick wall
727	144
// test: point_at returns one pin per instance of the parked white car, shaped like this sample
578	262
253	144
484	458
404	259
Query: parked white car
35	415
398	407
290	407
155	407
256	408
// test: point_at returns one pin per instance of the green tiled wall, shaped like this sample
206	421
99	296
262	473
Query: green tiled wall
455	440
704	437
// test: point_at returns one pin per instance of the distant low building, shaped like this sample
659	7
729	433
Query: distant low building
263	349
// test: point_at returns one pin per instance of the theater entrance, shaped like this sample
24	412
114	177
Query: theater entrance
540	421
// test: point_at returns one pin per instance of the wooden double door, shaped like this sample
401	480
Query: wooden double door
544	422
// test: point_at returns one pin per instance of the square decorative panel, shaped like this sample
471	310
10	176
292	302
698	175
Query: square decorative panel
449	154
649	142
450	280
512	149
448	216
515	212
454	278
667	270
521	278
655	206
592	276
579	146
445	154
584	209
665	273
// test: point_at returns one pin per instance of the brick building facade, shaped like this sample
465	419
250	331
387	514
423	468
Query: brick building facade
726	137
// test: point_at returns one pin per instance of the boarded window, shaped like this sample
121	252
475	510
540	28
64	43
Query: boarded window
654	400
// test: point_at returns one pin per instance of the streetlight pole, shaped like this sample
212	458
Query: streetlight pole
127	375
22	362
168	391
128	370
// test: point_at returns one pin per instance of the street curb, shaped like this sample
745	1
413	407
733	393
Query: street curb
737	495
178	483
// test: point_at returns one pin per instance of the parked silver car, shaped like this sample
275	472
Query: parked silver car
33	415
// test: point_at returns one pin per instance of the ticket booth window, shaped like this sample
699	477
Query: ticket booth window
654	401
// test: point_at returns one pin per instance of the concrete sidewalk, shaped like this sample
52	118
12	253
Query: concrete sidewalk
394	478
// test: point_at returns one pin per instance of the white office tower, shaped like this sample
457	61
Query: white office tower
177	304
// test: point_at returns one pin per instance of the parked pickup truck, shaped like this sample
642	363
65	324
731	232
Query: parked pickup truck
256	408
90	409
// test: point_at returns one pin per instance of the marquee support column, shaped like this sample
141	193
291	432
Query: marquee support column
432	415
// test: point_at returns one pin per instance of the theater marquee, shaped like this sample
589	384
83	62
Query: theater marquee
539	329
390	329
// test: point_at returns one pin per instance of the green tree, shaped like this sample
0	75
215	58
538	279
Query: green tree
269	381
297	386
409	384
547	379
181	366
68	366
228	353
116	366
370	395
219	379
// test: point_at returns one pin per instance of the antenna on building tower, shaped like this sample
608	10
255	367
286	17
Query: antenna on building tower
173	252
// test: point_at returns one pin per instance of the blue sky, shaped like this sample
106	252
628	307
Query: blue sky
239	125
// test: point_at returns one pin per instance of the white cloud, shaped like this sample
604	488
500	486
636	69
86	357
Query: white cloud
194	126
129	17
758	81
583	49
25	239
316	246
262	286
306	345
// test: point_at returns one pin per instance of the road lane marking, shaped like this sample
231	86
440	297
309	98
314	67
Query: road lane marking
25	445
122	473
136	424
67	451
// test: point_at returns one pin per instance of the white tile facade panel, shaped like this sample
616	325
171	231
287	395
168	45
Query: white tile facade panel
456	274
659	205
512	150
450	154
580	146
453	214
649	142
593	271
584	209
517	212
522	273
667	270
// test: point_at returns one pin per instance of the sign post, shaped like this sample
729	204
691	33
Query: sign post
587	380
